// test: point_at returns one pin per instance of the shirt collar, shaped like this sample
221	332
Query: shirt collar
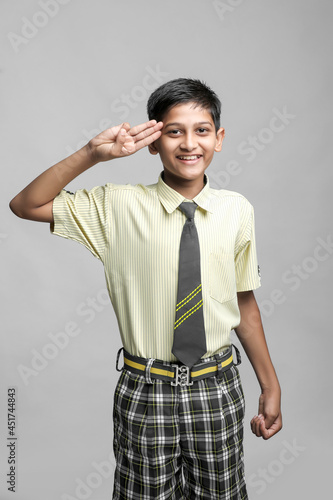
171	199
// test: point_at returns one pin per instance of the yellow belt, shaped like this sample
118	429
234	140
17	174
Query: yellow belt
179	374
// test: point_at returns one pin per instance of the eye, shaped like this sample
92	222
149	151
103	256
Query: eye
174	132
202	130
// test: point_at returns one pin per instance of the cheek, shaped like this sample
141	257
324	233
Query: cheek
210	148
166	149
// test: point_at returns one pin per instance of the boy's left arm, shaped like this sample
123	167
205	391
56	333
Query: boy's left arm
251	335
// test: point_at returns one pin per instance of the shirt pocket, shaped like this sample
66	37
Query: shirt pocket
222	280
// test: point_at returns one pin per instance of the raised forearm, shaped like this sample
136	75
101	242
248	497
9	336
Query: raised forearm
47	185
35	200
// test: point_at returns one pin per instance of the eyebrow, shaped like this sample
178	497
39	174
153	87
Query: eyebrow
181	124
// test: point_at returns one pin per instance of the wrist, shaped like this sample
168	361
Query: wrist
271	386
91	152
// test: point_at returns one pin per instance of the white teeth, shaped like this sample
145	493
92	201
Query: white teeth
189	157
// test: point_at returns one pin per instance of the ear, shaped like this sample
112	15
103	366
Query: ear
219	139
153	150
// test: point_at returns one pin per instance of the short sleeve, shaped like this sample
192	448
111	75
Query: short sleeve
246	263
83	216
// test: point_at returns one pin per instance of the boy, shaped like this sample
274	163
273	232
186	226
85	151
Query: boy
178	425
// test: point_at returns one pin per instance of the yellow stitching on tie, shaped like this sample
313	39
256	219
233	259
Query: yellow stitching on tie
189	300
189	313
188	295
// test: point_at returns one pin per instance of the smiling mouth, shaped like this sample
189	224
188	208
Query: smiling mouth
189	157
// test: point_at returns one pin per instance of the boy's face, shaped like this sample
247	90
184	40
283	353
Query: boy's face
188	142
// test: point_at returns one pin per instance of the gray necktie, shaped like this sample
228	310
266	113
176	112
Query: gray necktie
189	332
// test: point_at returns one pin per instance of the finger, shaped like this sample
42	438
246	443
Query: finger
134	131
123	131
274	429
116	129
122	136
147	132
126	126
264	432
148	140
143	126
128	148
258	426
255	425
268	433
121	140
258	421
253	428
269	420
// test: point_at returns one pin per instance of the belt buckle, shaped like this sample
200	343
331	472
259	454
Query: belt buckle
182	376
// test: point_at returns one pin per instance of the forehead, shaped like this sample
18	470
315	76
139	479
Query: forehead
187	114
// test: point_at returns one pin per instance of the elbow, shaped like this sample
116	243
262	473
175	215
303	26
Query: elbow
12	206
15	207
44	213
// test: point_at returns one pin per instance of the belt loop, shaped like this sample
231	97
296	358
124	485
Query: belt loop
148	368
238	356
118	356
218	357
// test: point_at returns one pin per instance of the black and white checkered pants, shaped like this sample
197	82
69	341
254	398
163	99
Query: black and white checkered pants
179	443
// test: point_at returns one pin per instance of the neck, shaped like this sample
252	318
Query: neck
187	188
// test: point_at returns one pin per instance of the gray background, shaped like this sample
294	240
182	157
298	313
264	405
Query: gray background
66	68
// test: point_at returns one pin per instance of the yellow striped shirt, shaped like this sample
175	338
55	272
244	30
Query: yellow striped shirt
135	231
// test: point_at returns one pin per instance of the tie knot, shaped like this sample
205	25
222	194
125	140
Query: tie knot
188	208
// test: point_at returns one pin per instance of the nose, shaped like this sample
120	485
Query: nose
189	142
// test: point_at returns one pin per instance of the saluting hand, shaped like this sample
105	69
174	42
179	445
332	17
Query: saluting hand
122	140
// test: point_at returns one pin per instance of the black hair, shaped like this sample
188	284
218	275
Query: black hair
182	90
